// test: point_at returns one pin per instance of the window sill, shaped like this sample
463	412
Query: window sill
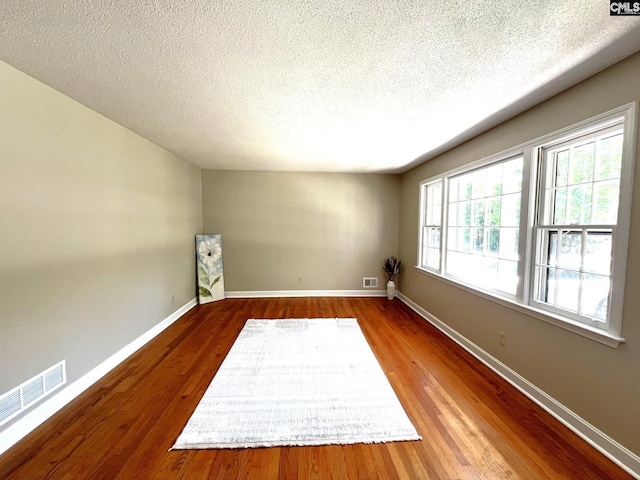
601	336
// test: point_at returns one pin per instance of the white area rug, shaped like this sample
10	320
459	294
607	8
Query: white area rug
298	382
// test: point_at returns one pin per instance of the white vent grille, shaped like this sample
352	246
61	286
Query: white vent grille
370	282
54	377
23	396
9	404
32	391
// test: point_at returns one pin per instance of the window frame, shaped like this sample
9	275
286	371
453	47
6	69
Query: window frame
531	198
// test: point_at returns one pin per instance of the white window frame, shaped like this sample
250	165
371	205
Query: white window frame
523	300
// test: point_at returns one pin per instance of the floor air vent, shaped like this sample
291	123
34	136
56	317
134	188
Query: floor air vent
370	282
22	397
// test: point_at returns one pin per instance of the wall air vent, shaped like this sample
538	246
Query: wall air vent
370	282
24	396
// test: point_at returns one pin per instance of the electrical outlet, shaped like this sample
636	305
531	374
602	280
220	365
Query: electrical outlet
299	278
503	338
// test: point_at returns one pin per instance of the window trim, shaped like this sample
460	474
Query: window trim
530	196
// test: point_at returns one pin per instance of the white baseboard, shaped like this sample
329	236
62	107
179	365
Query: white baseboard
616	452
25	425
306	293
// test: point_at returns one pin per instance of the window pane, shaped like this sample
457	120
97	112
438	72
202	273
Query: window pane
508	276
567	289
597	257
465	187
433	237
479	183
453	189
432	208
508	243
570	255
490	269
478	212
477	234
453	214
452	237
464	213
456	263
437	214
464	239
579	205
581	163
437	194
493	240
593	297
493	212
494	180
605	202
609	160
546	291
432	258
510	210
512	176
560	206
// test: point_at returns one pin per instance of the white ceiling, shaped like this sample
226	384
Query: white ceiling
311	85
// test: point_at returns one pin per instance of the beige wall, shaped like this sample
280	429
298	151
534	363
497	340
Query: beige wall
97	232
597	382
331	229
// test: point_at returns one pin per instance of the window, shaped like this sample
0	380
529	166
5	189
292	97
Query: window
483	220
542	227
431	221
577	215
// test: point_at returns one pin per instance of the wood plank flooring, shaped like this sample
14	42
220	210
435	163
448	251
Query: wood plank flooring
474	425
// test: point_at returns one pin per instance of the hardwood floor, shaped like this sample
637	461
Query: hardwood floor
474	425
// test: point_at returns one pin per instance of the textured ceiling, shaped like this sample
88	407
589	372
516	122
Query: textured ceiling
314	85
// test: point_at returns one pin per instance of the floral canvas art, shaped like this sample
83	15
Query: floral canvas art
209	264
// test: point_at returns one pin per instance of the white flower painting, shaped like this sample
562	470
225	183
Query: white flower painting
209	264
